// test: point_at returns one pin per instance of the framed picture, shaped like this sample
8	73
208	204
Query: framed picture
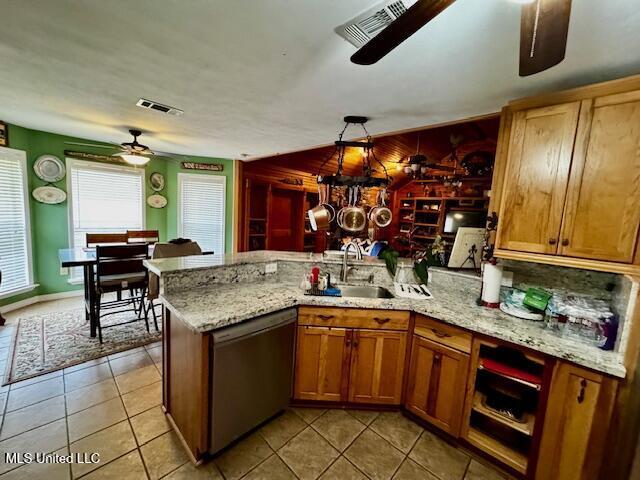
4	135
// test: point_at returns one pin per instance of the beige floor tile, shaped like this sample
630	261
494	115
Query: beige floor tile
3	401
308	454
397	429
478	471
155	353
282	429
86	376
308	414
110	443
128	363
87	364
32	416
127	467
124	353
46	439
365	416
34	380
23	397
440	458
149	425
342	469
143	399
92	395
189	471
243	456
273	468
338	428
95	418
163	455
41	471
137	378
374	456
410	470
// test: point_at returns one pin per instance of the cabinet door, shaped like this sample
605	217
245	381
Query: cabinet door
377	366
322	363
576	423
603	201
437	384
535	183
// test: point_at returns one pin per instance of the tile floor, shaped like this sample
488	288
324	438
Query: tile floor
111	405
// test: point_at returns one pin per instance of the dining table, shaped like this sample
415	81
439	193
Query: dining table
85	257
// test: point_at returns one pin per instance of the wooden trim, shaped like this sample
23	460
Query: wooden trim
500	162
620	85
560	261
236	235
196	461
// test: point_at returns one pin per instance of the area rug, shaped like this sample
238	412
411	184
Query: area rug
51	341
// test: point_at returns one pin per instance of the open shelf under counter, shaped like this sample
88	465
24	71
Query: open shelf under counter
497	449
525	427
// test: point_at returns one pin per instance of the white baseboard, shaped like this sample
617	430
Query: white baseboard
40	298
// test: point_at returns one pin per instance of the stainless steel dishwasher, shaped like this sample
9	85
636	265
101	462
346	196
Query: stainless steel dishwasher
252	375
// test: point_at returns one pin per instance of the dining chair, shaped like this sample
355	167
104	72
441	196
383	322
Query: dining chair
167	250
120	268
94	239
143	236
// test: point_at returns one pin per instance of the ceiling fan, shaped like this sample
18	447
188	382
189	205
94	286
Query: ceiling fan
544	25
134	152
418	164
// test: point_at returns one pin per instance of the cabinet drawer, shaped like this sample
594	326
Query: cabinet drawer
353	318
442	333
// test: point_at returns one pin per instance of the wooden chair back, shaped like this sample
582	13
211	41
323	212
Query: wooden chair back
94	239
120	260
143	236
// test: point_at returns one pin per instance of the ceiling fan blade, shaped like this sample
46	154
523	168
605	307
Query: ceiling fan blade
399	30
544	26
92	145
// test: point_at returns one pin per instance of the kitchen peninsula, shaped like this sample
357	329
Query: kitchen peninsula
430	357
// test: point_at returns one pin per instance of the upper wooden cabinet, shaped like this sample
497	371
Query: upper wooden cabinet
568	178
536	180
573	438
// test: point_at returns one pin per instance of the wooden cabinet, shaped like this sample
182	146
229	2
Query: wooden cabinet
579	408
377	364
602	212
537	175
322	363
570	191
350	355
437	383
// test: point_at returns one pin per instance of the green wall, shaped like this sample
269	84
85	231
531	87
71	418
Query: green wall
50	223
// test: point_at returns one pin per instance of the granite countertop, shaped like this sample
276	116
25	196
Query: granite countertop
222	305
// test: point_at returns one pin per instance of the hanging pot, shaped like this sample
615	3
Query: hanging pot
321	216
381	215
352	218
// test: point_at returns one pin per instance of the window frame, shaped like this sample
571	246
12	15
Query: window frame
219	179
74	163
26	205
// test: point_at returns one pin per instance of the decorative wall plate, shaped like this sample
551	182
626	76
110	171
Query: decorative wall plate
49	195
156	201
49	168
157	181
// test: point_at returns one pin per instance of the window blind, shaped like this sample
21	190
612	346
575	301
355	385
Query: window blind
202	210
104	199
15	261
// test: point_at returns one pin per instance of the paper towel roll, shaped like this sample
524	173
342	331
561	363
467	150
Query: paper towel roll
491	281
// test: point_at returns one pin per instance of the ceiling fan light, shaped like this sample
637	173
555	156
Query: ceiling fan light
407	169
133	159
415	167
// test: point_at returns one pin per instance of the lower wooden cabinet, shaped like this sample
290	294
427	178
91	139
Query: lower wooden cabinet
437	383
322	363
377	365
339	365
578	412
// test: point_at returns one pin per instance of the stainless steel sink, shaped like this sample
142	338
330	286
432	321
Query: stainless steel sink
365	291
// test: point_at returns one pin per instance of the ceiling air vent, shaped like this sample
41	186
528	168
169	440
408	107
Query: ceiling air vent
144	103
368	24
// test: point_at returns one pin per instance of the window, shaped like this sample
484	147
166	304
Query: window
104	199
201	210
15	231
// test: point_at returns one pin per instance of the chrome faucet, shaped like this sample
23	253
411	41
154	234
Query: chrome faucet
345	262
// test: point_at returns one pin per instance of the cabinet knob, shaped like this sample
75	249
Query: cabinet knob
565	242
583	387
437	357
552	241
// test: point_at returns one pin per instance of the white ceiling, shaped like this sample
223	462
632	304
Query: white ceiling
264	77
